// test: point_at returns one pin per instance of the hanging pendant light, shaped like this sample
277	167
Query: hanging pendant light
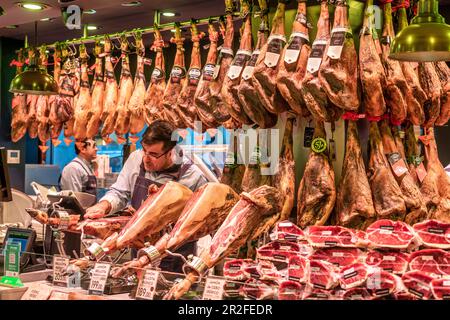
427	38
34	80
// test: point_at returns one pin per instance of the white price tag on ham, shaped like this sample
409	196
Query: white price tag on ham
297	40
98	280
250	67
336	42
213	289
316	56
275	45
147	286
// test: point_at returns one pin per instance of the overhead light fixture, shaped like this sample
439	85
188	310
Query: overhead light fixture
33	6
12	26
34	80
169	14
90	11
427	38
131	4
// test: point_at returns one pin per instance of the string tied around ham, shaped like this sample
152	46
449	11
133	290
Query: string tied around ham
15	63
353	116
157	45
377	118
198	37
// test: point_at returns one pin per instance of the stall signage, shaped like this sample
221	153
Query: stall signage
147	286
60	265
37	291
213	289
12	259
98	280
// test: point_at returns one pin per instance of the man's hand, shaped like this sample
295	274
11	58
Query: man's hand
153	188
98	211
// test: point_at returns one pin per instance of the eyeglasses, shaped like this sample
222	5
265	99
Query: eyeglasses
152	155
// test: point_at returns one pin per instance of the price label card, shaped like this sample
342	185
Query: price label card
37	291
242	56
337	42
12	259
421	172
398	165
308	137
213	289
297	40
147	286
250	67
64	220
60	265
316	55
275	45
98	280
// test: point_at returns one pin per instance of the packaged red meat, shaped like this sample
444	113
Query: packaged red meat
338	256
356	294
441	288
287	231
322	275
278	251
298	269
331	236
435	262
234	269
381	283
232	289
353	275
290	290
391	234
434	233
259	290
390	261
251	270
305	248
268	271
418	283
311	293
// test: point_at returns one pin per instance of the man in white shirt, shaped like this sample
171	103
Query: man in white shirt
79	175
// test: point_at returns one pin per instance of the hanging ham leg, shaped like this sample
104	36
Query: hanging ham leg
202	94
98	95
430	83
19	108
234	169
43	108
248	96
266	69
339	72
126	86
136	105
317	191
56	121
412	152
83	105
443	72
231	83
69	89
204	213
32	100
436	185
354	205
185	103
250	212
292	66
372	74
415	204
386	194
313	93
109	114
154	109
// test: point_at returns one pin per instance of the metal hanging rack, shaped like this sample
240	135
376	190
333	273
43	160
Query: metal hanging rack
163	27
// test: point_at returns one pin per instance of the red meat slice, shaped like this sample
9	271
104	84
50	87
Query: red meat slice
287	231
298	269
258	290
353	275
312	293
290	290
232	289
356	294
441	288
234	269
391	234
331	236
338	256
435	262
278	251
381	283
390	261
434	233
418	283
322	275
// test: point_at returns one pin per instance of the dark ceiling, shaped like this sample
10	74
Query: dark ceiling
111	16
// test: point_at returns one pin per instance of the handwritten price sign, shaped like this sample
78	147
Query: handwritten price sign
60	265
99	276
147	286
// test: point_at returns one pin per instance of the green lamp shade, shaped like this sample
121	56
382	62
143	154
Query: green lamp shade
422	42
34	81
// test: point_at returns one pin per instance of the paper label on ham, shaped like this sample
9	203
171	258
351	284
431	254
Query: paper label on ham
337	42
274	47
296	42
157	75
224	53
126	72
316	56
194	75
250	67
238	64
421	172
398	165
177	74
301	17
208	71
